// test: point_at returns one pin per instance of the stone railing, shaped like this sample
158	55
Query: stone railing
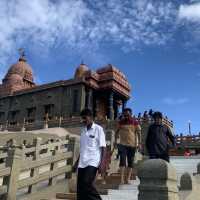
150	121
189	140
40	124
72	122
24	169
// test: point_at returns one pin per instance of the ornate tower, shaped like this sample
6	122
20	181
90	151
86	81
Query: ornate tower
18	77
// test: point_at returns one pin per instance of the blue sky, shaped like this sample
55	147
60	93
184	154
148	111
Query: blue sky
156	43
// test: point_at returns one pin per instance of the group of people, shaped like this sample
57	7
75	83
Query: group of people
146	114
93	155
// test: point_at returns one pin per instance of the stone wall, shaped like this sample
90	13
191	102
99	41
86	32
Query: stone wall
31	105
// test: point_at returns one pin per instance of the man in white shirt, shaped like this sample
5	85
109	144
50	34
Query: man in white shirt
92	157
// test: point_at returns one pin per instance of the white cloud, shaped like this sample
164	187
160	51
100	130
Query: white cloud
173	101
189	21
79	25
190	12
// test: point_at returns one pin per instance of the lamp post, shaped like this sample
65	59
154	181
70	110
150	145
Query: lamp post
189	127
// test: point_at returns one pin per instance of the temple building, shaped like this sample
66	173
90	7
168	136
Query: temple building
105	91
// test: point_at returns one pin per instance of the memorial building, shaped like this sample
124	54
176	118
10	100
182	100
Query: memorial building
105	91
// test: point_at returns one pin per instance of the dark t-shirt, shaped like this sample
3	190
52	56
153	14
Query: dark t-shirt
158	137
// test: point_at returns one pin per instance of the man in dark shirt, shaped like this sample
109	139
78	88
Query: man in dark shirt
158	138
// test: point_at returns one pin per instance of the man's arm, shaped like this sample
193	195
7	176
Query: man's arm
102	145
147	142
138	132
102	165
75	166
171	136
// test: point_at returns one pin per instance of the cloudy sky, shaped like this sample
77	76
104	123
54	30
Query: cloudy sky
156	43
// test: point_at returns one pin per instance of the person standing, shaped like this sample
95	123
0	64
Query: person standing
129	132
158	137
92	157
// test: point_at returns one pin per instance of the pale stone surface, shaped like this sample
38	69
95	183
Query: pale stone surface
183	164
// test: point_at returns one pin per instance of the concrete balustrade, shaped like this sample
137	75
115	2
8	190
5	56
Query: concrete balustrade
27	167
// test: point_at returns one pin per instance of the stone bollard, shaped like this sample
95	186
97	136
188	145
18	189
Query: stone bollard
189	188
197	175
158	181
198	168
187	182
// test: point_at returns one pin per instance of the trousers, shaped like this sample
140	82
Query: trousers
85	184
162	156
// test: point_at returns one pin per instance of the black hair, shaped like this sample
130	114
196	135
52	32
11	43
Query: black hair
86	112
128	110
157	115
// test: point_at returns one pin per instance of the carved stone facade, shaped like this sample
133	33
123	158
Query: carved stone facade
104	91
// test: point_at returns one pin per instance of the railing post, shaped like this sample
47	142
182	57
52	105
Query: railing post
53	166
158	181
23	126
13	161
71	148
35	171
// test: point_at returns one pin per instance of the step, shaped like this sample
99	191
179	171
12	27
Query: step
67	196
121	195
113	179
123	192
107	186
72	196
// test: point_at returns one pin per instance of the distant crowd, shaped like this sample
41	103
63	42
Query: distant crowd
148	115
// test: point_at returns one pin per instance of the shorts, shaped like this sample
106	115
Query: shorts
127	153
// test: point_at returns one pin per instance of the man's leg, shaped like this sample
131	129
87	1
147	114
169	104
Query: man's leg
122	163
162	156
165	157
153	156
89	188
80	184
130	158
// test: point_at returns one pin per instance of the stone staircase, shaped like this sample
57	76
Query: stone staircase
112	190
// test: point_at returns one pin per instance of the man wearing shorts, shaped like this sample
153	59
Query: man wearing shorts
129	132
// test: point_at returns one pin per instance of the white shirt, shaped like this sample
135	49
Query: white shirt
91	142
